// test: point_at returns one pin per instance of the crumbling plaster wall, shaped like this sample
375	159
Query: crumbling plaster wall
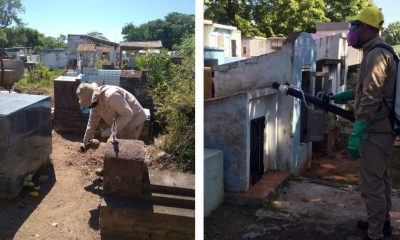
256	72
226	128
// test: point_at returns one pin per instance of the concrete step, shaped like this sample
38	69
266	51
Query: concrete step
189	192
144	219
169	182
261	191
170	200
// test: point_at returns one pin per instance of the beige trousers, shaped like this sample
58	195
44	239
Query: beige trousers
374	180
131	131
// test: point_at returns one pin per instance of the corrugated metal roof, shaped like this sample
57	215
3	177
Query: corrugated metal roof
141	45
86	48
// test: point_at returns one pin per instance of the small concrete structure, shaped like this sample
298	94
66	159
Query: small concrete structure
222	44
54	58
68	116
123	171
157	206
75	39
256	128
25	130
256	46
213	179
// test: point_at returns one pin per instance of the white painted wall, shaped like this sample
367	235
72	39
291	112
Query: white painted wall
54	59
213	179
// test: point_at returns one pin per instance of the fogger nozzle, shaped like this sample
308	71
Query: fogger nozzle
288	90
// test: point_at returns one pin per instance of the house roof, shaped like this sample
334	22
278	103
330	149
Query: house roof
97	40
86	48
141	45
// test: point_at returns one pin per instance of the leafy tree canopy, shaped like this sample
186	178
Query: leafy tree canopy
28	37
97	34
280	17
170	31
9	10
392	33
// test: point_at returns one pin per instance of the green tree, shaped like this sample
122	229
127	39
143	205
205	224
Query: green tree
97	35
161	68
337	11
392	33
51	43
28	37
24	37
173	92
176	107
170	31
9	10
3	39
279	17
247	28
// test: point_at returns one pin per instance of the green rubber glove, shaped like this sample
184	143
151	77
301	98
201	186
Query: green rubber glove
354	142
342	97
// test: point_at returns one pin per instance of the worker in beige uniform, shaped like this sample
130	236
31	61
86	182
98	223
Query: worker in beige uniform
118	108
371	139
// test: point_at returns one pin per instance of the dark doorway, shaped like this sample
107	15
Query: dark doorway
256	149
233	42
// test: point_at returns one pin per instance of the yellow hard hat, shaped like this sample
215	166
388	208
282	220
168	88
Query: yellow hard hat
369	15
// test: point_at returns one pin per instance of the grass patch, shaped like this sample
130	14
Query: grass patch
229	221
232	217
39	81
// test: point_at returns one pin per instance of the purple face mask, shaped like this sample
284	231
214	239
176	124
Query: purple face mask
352	39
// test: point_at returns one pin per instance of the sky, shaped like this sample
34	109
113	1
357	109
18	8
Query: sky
55	17
390	10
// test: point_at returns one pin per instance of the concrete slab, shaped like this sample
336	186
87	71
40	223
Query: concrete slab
123	174
262	190
169	182
331	205
136	219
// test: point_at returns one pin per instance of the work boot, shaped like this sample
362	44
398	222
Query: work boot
387	228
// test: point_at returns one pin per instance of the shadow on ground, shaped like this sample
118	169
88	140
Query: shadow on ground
14	212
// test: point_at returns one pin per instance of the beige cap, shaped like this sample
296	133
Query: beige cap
84	93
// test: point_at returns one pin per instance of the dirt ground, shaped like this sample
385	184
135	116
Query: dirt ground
67	207
324	203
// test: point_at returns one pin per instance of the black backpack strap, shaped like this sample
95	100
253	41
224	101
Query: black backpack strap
387	47
392	115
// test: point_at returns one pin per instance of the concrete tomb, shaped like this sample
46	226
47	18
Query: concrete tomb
25	132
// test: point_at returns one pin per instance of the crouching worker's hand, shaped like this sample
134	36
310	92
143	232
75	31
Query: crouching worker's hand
93	144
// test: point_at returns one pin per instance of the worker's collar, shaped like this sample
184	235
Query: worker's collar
372	42
97	92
